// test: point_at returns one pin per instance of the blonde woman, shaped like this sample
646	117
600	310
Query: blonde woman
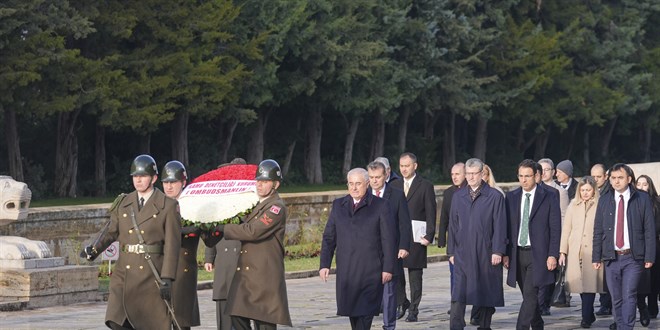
487	175
576	248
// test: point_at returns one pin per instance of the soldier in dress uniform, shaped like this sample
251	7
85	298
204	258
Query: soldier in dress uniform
223	258
184	289
137	300
258	290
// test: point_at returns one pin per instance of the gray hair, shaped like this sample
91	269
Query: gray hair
547	161
358	171
475	162
383	161
375	165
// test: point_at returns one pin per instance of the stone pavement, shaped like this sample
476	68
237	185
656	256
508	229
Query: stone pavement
312	306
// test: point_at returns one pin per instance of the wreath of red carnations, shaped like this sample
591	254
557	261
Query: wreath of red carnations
232	196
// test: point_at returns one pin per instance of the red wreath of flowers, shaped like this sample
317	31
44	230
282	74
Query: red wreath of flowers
230	172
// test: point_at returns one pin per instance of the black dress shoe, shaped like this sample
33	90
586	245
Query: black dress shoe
644	317
401	310
585	324
603	311
545	311
613	326
411	317
474	321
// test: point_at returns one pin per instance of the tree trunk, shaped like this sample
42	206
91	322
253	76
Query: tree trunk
449	143
571	141
145	144
607	137
377	136
226	135
429	125
313	170
646	144
292	146
403	128
99	161
349	144
180	137
13	146
255	152
66	154
586	149
541	144
480	138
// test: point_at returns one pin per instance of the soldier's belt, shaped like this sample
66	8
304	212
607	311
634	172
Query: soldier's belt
143	248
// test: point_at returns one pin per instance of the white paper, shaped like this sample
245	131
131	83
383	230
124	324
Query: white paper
418	230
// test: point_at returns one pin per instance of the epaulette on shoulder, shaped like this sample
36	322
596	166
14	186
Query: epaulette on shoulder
116	202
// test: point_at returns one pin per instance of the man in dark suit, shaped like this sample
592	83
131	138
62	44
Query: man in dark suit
624	239
534	221
399	208
599	173
361	230
422	206
390	176
565	179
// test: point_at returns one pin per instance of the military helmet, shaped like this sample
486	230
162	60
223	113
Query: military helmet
144	165
268	170
174	171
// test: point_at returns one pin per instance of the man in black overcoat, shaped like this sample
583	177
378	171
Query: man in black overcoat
361	231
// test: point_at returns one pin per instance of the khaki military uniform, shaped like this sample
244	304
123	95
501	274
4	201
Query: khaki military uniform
258	290
134	295
184	289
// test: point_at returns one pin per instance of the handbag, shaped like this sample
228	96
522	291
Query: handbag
558	296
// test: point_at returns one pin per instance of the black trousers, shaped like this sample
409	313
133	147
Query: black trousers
361	322
457	316
415	279
242	323
223	320
530	313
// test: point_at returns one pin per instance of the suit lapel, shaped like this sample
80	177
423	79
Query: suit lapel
416	182
516	200
150	208
538	199
387	193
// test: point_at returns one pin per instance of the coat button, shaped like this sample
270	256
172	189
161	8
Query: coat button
185	270
141	267
238	268
247	268
124	215
225	249
185	236
142	231
130	231
128	266
185	253
154	215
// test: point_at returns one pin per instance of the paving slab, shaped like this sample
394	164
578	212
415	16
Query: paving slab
312	305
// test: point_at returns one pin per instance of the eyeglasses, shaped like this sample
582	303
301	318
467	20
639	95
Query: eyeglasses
355	184
472	173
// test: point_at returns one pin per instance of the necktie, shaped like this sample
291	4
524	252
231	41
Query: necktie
565	186
619	224
141	205
524	229
377	193
406	187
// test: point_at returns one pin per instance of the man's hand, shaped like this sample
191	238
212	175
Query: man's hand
451	260
562	259
552	263
505	261
324	273
425	242
191	231
166	289
495	259
386	277
648	265
597	265
208	266
403	254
